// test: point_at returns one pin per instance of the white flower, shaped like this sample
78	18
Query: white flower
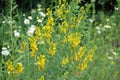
8	46
23	14
111	58
39	20
91	20
26	21
3	22
107	26
114	53
5	52
42	14
116	8
103	29
98	28
30	17
16	33
99	32
31	30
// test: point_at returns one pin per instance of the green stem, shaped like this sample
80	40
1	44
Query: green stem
11	2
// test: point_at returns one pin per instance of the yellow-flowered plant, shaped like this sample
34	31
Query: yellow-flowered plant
65	60
41	62
14	68
57	38
52	49
19	68
74	39
23	45
87	59
10	67
41	78
33	46
64	27
80	54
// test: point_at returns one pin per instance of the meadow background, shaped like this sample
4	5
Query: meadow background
59	40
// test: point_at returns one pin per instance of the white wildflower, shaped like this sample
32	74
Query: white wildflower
26	21
39	20
103	29
3	22
31	30
23	14
107	26
98	28
116	8
111	58
91	20
16	33
42	14
30	17
19	27
99	32
8	46
5	52
114	53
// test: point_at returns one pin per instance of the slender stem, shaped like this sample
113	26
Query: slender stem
11	3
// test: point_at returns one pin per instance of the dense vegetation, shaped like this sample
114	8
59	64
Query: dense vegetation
59	40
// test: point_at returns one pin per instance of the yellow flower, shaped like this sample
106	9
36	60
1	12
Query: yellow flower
91	53
41	78
23	45
33	46
19	68
47	35
10	67
112	62
41	62
83	66
49	12
80	53
47	28
37	32
59	2
63	29
64	61
52	49
50	21
64	41
115	74
74	39
59	12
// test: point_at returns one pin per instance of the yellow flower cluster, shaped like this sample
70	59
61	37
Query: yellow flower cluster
10	67
18	68
23	45
65	60
33	46
64	27
74	39
41	78
87	59
52	49
62	10
48	28
37	32
80	54
41	62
